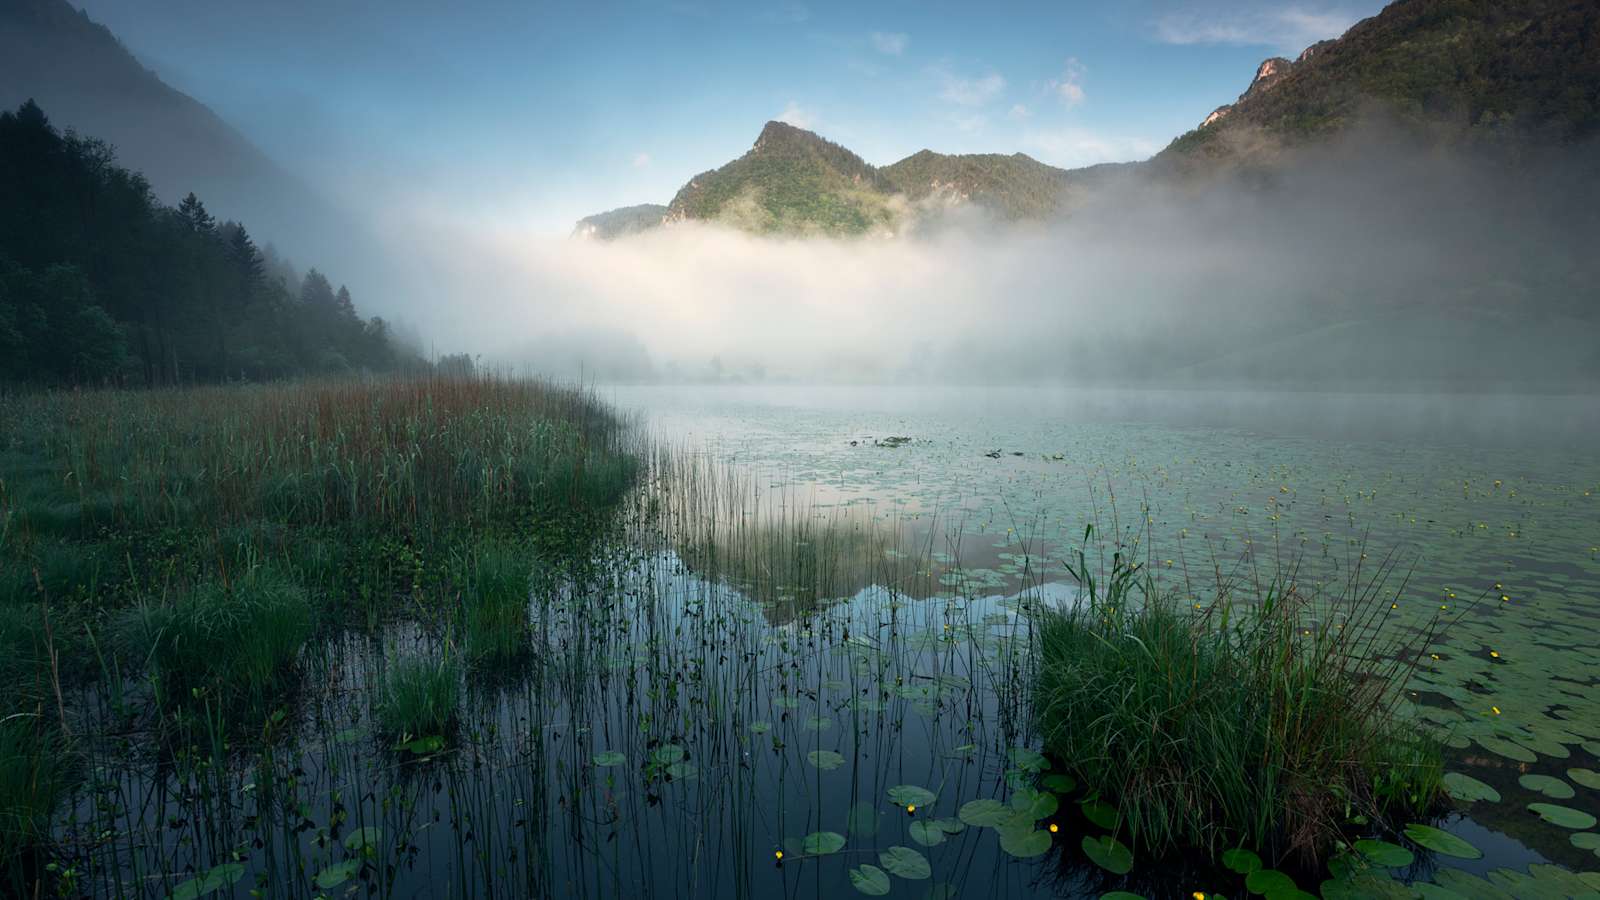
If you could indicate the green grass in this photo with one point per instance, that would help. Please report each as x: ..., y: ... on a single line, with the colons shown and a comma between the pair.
x: 494, y: 603
x: 236, y: 641
x: 1264, y: 719
x: 35, y: 772
x: 420, y: 696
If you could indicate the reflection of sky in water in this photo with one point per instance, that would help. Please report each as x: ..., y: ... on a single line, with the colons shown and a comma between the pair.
x: 1476, y: 498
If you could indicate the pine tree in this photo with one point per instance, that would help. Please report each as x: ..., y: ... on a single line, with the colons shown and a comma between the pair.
x: 345, y: 305
x: 246, y: 259
x: 316, y: 292
x: 194, y: 215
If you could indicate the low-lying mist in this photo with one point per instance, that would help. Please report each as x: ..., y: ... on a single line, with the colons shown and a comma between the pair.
x: 1374, y: 263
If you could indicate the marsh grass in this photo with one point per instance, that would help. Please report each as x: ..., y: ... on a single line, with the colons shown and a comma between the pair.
x: 1268, y: 718
x: 420, y: 696
x: 496, y: 587
x: 35, y: 772
x: 237, y: 641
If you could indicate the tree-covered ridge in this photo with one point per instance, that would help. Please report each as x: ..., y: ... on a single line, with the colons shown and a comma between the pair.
x: 791, y: 181
x: 1469, y: 71
x: 1014, y: 187
x: 615, y: 223
x: 99, y: 282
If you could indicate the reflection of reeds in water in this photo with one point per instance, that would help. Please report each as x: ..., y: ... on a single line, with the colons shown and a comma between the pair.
x: 775, y: 544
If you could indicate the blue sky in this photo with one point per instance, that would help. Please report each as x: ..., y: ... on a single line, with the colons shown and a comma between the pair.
x: 530, y: 115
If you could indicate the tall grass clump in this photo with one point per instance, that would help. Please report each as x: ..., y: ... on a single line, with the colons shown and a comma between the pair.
x: 237, y: 641
x: 1265, y: 719
x: 35, y: 772
x: 495, y: 593
x: 420, y: 696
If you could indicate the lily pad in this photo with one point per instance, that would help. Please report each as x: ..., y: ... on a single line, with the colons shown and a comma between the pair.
x: 609, y: 758
x: 1359, y: 886
x: 821, y: 843
x: 1241, y: 860
x: 666, y: 754
x: 911, y: 795
x: 826, y: 760
x: 1384, y: 854
x: 1024, y: 843
x: 985, y: 813
x: 905, y: 862
x: 870, y: 880
x: 363, y: 838
x: 1563, y: 816
x: 1508, y: 749
x: 927, y: 832
x: 1100, y: 813
x: 1554, y: 788
x: 1440, y: 841
x: 1588, y: 778
x: 1034, y: 803
x: 1029, y: 760
x: 337, y: 874
x: 1109, y: 853
x: 1468, y: 789
x: 1269, y: 882
x: 209, y: 882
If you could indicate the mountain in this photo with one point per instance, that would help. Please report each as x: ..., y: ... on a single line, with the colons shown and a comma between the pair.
x: 615, y: 223
x: 1486, y: 73
x: 790, y: 181
x: 89, y: 82
x: 1458, y: 72
x: 793, y: 181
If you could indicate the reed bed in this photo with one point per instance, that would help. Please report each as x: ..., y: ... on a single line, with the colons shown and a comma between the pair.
x: 1267, y: 717
x: 182, y: 548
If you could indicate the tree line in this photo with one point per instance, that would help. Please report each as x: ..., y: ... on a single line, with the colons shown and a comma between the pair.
x: 102, y: 283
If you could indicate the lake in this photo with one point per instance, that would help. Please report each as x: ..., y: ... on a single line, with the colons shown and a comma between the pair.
x: 808, y: 652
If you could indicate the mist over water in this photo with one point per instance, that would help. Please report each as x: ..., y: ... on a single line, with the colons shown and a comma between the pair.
x: 1386, y: 268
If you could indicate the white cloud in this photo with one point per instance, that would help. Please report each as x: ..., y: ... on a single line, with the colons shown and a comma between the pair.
x: 797, y: 116
x: 1069, y: 87
x: 1020, y: 112
x: 971, y: 91
x: 1287, y: 29
x: 641, y: 160
x: 970, y: 124
x: 891, y: 43
x: 784, y: 14
x: 1073, y: 147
